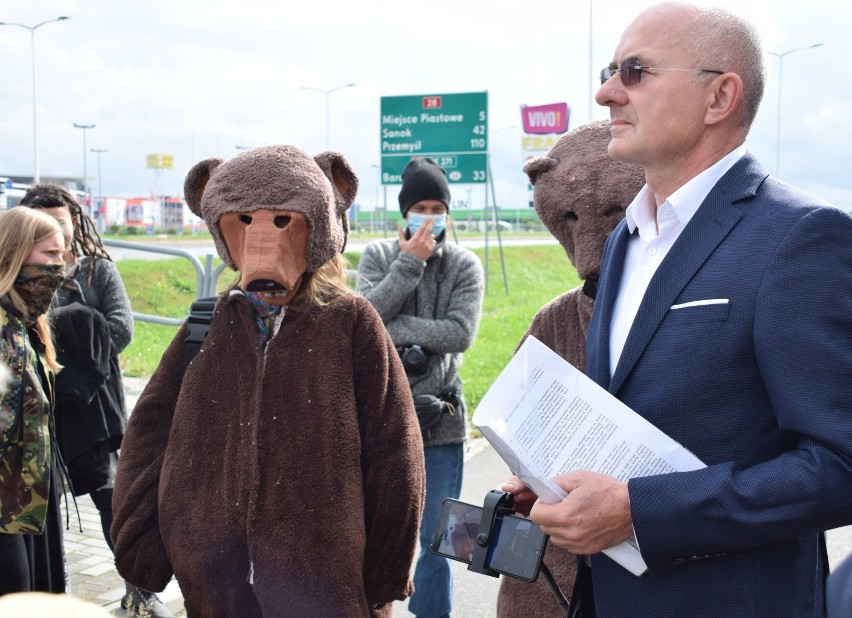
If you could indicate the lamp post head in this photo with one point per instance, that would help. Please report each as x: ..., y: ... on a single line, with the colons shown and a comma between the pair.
x: 330, y: 90
x: 781, y: 55
x: 33, y: 28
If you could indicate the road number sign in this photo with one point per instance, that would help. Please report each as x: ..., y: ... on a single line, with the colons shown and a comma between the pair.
x: 450, y: 128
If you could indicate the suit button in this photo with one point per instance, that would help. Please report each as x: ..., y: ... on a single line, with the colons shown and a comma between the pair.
x: 678, y: 561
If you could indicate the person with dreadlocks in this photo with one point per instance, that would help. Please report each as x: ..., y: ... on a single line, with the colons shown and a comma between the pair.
x: 92, y: 325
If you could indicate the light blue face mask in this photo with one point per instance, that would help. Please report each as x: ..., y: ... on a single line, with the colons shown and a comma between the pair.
x: 415, y: 220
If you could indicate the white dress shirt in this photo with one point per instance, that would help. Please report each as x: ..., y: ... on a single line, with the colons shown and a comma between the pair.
x: 646, y: 251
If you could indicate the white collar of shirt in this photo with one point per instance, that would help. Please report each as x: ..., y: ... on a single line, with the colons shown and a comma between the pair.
x: 646, y: 251
x: 685, y: 201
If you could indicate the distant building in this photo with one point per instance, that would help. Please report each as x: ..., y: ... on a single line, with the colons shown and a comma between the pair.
x: 152, y: 214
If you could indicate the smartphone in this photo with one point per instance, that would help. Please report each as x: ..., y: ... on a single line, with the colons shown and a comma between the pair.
x: 516, y: 548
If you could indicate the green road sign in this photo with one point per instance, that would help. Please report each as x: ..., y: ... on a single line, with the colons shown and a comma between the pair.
x: 450, y: 128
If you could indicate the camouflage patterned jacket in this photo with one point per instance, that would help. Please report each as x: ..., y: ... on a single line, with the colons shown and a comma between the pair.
x: 25, y: 447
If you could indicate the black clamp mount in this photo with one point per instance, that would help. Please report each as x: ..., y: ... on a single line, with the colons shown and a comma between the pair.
x: 496, y: 503
x: 500, y: 503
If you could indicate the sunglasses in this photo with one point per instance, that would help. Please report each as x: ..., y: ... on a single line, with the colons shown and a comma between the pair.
x: 631, y: 72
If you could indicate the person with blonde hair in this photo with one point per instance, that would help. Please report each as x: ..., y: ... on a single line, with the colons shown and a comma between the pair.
x: 32, y: 267
x: 93, y: 324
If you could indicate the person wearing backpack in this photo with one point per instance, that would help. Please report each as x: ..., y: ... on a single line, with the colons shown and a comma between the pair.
x: 280, y: 473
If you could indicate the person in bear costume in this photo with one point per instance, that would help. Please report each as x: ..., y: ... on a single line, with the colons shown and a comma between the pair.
x: 580, y: 194
x: 282, y: 473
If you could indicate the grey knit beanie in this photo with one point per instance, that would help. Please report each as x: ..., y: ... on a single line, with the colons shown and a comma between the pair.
x: 423, y: 179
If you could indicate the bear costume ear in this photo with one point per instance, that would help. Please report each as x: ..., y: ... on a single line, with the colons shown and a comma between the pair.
x: 342, y: 178
x: 196, y: 182
x: 537, y: 166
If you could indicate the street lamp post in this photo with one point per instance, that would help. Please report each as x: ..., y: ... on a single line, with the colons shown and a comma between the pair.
x: 327, y: 94
x: 778, y: 113
x: 85, y: 160
x: 101, y: 212
x: 591, y: 64
x: 32, y: 29
x: 376, y: 195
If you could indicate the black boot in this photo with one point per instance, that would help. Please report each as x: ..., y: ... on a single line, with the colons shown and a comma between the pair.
x: 142, y: 604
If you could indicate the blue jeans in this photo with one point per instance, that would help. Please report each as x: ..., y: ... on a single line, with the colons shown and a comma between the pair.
x: 433, y: 583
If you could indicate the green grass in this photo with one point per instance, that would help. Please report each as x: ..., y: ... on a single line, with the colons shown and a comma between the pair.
x: 535, y: 275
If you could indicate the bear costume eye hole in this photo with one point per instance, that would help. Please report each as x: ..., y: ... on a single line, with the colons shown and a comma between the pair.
x: 615, y: 210
x: 571, y: 215
x: 245, y: 219
x: 282, y: 221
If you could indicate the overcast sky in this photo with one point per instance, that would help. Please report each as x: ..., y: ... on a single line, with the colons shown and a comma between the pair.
x: 198, y: 79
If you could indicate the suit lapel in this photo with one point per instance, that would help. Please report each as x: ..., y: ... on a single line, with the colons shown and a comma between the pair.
x: 712, y: 222
x: 611, y: 269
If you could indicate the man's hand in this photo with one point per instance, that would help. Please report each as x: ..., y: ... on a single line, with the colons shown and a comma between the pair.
x: 594, y: 516
x: 524, y: 496
x: 422, y: 243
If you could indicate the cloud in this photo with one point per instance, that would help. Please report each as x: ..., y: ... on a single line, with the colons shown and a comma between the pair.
x: 196, y: 79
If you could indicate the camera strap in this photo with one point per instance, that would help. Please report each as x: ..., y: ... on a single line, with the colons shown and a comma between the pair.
x: 440, y: 275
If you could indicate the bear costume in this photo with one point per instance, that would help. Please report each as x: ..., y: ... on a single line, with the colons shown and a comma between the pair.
x: 282, y: 473
x: 580, y: 194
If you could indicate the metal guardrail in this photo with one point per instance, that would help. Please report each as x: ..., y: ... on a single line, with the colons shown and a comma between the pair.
x: 205, y: 275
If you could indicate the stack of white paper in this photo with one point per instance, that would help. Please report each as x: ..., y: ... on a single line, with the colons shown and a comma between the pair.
x: 545, y: 417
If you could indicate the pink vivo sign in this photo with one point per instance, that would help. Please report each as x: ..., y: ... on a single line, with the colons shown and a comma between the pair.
x: 552, y: 118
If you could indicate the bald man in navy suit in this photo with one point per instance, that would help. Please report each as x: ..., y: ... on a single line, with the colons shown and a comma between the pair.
x: 724, y: 317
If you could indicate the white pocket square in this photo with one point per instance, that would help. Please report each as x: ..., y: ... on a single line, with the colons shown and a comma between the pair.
x: 698, y: 303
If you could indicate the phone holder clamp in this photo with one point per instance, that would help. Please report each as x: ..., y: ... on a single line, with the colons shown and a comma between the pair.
x: 496, y: 503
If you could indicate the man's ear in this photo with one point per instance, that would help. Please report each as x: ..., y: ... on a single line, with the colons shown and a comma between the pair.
x: 196, y: 182
x: 724, y: 98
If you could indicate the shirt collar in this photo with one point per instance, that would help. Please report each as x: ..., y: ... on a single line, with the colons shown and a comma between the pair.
x: 686, y: 200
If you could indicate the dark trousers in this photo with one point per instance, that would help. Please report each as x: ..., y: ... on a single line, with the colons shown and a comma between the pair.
x: 102, y: 499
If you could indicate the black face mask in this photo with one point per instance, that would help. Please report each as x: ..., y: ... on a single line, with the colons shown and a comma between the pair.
x: 36, y: 284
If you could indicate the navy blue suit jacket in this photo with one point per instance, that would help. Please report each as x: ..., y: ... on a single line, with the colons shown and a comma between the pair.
x: 758, y: 388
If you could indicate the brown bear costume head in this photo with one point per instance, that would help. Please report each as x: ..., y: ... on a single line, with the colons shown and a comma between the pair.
x: 581, y: 193
x: 275, y: 213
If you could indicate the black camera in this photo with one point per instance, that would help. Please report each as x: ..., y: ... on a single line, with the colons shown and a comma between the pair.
x: 414, y: 359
